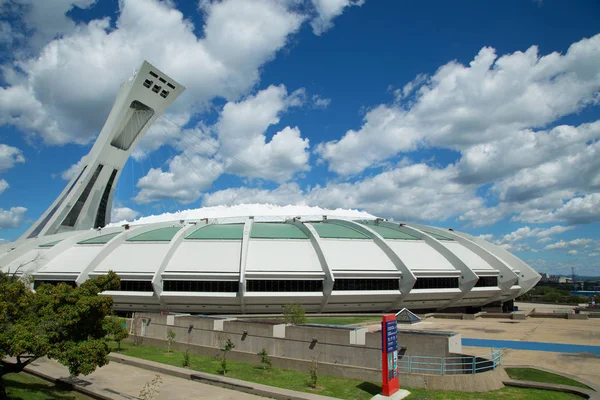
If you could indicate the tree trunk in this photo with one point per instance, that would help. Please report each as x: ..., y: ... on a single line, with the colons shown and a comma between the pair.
x: 3, y: 395
x: 8, y: 368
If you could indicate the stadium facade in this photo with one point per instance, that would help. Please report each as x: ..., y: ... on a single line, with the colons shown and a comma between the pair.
x: 249, y: 264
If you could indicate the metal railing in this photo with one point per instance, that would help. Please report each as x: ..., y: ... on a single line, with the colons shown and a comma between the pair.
x: 458, y: 365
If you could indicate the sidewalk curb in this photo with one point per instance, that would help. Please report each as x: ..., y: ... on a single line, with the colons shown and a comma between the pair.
x: 216, y: 380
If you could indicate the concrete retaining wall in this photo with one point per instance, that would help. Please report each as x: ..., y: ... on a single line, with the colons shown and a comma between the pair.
x: 335, y: 345
x: 481, y: 382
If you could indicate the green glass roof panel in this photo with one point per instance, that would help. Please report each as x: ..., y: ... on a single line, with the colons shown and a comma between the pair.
x: 334, y: 231
x: 103, y: 239
x: 156, y: 235
x: 436, y: 235
x: 391, y: 233
x: 264, y: 230
x: 50, y: 244
x: 218, y: 232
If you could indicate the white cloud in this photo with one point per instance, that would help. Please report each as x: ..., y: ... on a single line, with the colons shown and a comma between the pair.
x: 594, y: 254
x: 3, y: 185
x: 184, y: 181
x: 239, y: 36
x: 406, y: 192
x: 243, y: 144
x: 72, y: 171
x: 564, y: 244
x: 578, y: 210
x: 45, y: 19
x: 9, y: 156
x: 327, y: 10
x: 573, y: 252
x: 120, y: 214
x: 463, y: 106
x: 320, y: 102
x: 526, y: 232
x: 12, y: 218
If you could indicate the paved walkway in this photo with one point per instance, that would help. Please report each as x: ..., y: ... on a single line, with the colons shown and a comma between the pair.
x: 124, y: 382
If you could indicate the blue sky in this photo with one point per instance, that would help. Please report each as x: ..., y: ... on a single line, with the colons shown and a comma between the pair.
x: 481, y: 116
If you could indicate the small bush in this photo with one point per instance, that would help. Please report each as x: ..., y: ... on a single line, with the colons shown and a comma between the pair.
x: 186, y: 358
x: 170, y: 339
x: 228, y: 346
x: 313, y: 374
x: 265, y: 360
x: 294, y: 314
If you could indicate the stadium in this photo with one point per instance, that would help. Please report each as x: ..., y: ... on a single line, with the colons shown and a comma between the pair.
x: 249, y: 259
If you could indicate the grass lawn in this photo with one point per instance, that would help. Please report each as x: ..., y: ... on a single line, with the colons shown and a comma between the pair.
x: 328, y: 385
x: 535, y: 375
x: 27, y: 387
x: 341, y: 320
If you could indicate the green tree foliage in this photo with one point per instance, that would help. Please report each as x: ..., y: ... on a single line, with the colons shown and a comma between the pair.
x: 227, y: 346
x: 265, y: 360
x: 115, y: 330
x: 294, y: 314
x: 551, y: 294
x: 170, y: 339
x: 313, y: 374
x: 59, y: 322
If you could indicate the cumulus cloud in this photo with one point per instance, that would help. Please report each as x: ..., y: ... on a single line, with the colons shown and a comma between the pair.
x: 579, y: 210
x: 243, y: 145
x: 120, y: 214
x: 9, y: 156
x: 463, y: 106
x: 407, y: 192
x: 71, y: 172
x: 239, y: 36
x: 327, y: 10
x: 564, y: 244
x: 12, y: 218
x: 239, y: 146
x: 572, y: 252
x: 3, y: 185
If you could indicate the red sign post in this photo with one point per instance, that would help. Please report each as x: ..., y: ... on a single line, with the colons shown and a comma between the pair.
x: 389, y: 355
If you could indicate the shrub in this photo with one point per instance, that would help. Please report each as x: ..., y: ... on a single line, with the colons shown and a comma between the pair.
x: 265, y: 360
x: 313, y: 374
x: 294, y: 314
x: 170, y: 339
x: 228, y: 346
x: 186, y: 358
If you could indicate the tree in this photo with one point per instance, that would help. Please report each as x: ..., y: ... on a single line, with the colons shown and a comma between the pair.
x: 294, y: 314
x: 227, y: 346
x: 59, y: 322
x: 170, y: 339
x: 115, y: 330
x: 265, y: 360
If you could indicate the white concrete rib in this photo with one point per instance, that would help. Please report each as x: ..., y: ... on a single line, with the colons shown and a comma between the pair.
x: 407, y: 280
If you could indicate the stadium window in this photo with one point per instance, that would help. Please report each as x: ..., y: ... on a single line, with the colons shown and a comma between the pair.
x: 487, y: 281
x: 136, y: 286
x: 436, y: 283
x: 366, y: 284
x: 284, y: 286
x: 201, y: 286
x: 36, y: 283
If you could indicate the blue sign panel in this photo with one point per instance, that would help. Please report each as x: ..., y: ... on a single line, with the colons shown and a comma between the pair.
x: 391, y: 340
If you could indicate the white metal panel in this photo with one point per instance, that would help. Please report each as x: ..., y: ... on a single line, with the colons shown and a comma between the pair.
x: 134, y: 258
x: 26, y: 263
x: 356, y: 255
x: 203, y: 256
x: 73, y: 260
x: 282, y: 256
x: 419, y: 256
x: 472, y: 260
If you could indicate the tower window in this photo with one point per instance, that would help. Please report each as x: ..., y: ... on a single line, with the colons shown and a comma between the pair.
x: 148, y: 83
